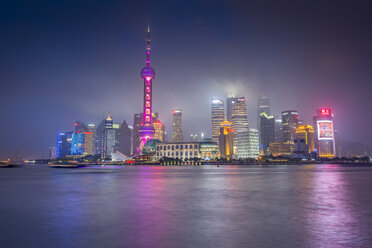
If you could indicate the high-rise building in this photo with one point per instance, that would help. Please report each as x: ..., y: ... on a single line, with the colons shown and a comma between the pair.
x: 146, y: 130
x: 267, y: 132
x: 177, y: 135
x: 278, y: 130
x: 304, y: 139
x: 123, y: 139
x: 77, y: 143
x: 248, y: 143
x: 218, y: 116
x: 239, y: 119
x: 89, y: 142
x: 108, y: 138
x: 80, y: 127
x: 289, y: 123
x: 263, y: 107
x: 64, y: 144
x: 324, y: 133
x: 99, y: 137
x: 226, y: 140
x: 229, y: 107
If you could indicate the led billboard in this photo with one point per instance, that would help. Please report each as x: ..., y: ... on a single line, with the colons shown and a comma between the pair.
x: 325, y: 130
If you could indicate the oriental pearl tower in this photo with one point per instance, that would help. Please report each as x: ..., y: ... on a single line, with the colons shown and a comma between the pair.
x: 146, y: 130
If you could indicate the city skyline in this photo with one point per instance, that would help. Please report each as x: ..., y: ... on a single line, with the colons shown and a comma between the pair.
x: 65, y: 85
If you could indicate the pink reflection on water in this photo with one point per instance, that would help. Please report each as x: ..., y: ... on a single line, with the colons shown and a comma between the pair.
x: 332, y: 220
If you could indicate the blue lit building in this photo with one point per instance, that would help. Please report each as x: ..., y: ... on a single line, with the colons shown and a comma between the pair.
x: 64, y: 144
x: 77, y: 144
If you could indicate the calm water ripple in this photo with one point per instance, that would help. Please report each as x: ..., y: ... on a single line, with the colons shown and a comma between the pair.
x: 231, y: 206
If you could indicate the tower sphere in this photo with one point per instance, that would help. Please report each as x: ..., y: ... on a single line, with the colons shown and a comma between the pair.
x: 147, y: 71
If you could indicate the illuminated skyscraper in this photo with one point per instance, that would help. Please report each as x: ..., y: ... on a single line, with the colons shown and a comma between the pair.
x: 324, y: 133
x: 218, y: 116
x: 263, y: 107
x: 248, y: 143
x: 159, y: 130
x: 239, y: 121
x: 146, y: 130
x: 267, y: 131
x: 278, y: 129
x: 229, y: 107
x: 108, y: 138
x: 226, y: 140
x: 177, y: 135
x: 136, y: 139
x: 304, y: 139
x: 64, y: 144
x: 89, y: 140
x: 289, y: 123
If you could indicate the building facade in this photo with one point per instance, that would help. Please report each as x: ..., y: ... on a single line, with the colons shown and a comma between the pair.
x: 226, y: 140
x: 64, y: 144
x: 208, y: 149
x: 324, y: 133
x: 289, y: 123
x: 267, y: 132
x: 218, y: 116
x: 248, y: 143
x: 177, y: 135
x: 304, y: 139
x: 178, y: 150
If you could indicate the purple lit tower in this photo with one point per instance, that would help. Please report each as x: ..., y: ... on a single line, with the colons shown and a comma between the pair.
x: 146, y: 130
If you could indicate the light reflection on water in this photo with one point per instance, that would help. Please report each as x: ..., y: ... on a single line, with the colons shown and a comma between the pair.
x: 194, y: 206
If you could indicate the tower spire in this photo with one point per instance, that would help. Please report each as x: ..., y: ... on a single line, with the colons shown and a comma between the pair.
x: 148, y: 49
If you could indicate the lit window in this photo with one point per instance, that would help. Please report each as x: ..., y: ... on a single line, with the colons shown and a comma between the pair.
x: 148, y: 104
x: 147, y: 118
x: 148, y: 89
x: 147, y: 111
x: 148, y: 97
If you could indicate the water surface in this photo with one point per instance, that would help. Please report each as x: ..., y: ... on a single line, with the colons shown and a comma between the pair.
x: 195, y: 206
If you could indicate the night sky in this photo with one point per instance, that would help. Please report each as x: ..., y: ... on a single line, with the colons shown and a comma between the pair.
x: 63, y: 61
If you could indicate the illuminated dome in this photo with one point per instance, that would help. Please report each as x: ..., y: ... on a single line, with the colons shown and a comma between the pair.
x: 147, y: 71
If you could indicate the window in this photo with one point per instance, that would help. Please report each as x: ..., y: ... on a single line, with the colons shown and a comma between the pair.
x: 148, y: 104
x: 147, y: 118
x: 148, y: 97
x: 176, y: 153
x: 186, y: 146
x: 181, y: 146
x: 195, y: 146
x: 168, y: 147
x: 177, y: 147
x: 147, y: 111
x: 148, y: 89
x: 172, y: 147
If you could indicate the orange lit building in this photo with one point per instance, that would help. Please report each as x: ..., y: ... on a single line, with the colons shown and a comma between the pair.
x: 159, y: 130
x: 226, y: 142
x: 304, y: 139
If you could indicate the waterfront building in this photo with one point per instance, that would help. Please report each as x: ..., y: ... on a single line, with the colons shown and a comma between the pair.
x: 267, y: 132
x: 279, y: 149
x: 177, y: 135
x: 146, y: 130
x: 99, y: 137
x: 226, y: 140
x: 108, y: 138
x: 88, y: 143
x: 218, y: 116
x: 208, y: 149
x: 324, y: 133
x: 229, y: 107
x: 136, y: 139
x: 80, y: 127
x: 178, y: 150
x: 248, y: 143
x: 194, y: 137
x: 289, y: 123
x: 304, y: 139
x: 64, y: 144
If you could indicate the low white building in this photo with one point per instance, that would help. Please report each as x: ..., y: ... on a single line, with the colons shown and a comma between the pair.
x: 180, y: 150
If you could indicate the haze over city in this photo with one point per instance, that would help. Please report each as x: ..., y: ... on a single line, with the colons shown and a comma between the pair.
x: 67, y: 61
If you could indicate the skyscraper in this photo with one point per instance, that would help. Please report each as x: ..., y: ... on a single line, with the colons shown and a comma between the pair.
x: 289, y: 123
x: 123, y: 139
x: 304, y: 139
x: 146, y: 130
x: 267, y: 131
x: 177, y: 135
x: 239, y: 119
x: 77, y: 143
x: 229, y: 106
x: 64, y: 144
x: 159, y: 130
x: 263, y: 107
x: 226, y: 140
x: 278, y: 129
x: 108, y: 138
x: 218, y: 116
x: 136, y: 139
x: 324, y: 133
